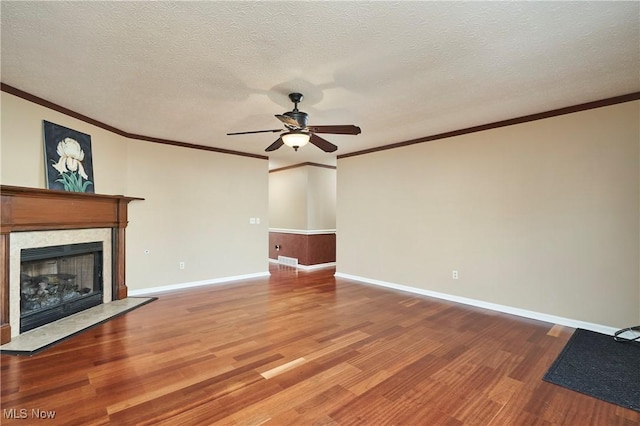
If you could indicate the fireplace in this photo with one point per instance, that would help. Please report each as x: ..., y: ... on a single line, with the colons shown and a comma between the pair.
x: 58, y: 281
x: 34, y: 218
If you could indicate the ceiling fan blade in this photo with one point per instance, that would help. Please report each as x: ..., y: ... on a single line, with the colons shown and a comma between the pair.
x: 337, y: 130
x: 289, y: 121
x: 255, y: 131
x: 323, y: 144
x: 277, y: 144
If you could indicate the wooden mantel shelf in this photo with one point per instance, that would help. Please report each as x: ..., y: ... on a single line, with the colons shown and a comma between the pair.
x: 29, y: 209
x: 34, y: 209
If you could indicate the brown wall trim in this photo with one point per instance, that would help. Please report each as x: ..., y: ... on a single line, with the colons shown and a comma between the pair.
x: 43, y: 102
x: 308, y: 249
x: 524, y: 119
x: 302, y: 165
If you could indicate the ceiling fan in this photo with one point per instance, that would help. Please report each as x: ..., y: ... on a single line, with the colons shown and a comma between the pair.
x: 297, y: 133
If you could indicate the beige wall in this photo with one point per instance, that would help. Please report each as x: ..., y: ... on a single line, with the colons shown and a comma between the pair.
x: 542, y: 216
x: 303, y: 198
x: 321, y: 192
x: 197, y: 203
x: 22, y: 147
x: 288, y: 198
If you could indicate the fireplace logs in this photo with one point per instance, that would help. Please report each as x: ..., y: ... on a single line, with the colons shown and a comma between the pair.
x: 49, y: 290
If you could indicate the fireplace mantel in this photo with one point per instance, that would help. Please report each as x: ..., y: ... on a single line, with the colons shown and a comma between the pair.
x: 33, y: 209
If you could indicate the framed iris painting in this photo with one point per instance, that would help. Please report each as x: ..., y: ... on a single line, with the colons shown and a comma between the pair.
x: 68, y: 159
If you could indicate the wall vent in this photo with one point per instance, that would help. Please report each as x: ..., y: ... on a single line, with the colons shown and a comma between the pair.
x: 289, y: 261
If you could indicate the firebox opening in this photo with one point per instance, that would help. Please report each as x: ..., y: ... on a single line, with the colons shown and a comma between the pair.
x: 59, y: 281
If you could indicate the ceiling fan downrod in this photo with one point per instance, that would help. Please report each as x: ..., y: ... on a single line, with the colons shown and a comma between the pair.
x: 296, y: 98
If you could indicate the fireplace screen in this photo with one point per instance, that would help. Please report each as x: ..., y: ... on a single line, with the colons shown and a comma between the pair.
x: 58, y: 281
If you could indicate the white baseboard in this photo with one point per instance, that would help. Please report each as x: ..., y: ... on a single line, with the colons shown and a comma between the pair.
x: 486, y: 305
x: 316, y: 266
x: 181, y: 286
x: 308, y: 267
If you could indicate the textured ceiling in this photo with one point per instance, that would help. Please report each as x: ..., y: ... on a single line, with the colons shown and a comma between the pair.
x: 193, y: 71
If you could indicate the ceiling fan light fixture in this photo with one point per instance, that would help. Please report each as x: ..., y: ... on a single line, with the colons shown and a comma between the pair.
x: 295, y: 139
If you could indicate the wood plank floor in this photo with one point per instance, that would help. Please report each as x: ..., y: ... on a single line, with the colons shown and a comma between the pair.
x: 302, y: 348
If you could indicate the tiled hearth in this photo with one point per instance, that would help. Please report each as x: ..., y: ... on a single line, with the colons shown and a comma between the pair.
x: 43, y: 337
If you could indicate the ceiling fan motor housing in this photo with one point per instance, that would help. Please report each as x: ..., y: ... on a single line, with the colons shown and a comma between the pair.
x: 299, y: 116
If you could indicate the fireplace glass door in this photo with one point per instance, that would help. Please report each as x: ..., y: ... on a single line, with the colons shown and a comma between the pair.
x: 58, y: 281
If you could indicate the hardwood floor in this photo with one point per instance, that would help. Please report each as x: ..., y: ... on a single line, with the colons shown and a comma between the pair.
x: 302, y: 348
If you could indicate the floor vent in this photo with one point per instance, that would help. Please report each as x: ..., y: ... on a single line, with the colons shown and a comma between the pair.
x: 289, y: 261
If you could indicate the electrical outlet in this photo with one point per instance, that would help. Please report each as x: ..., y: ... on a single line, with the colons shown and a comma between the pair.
x: 252, y: 221
x: 257, y: 221
x: 181, y: 265
x: 454, y: 275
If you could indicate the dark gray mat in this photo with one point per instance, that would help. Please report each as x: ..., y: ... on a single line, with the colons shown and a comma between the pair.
x: 596, y: 365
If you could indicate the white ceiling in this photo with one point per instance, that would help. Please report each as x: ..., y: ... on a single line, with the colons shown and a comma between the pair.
x: 194, y: 71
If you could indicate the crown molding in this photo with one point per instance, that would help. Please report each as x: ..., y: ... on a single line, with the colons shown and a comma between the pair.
x: 519, y: 120
x: 325, y: 166
x: 55, y: 107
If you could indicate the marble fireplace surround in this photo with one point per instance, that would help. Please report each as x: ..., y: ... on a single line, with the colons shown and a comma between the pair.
x: 33, y: 217
x: 36, y: 239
